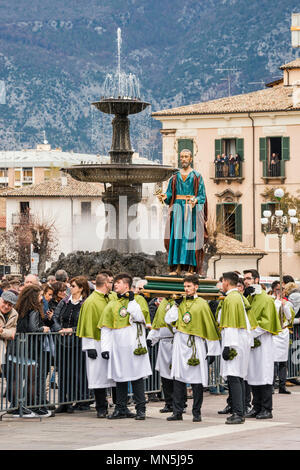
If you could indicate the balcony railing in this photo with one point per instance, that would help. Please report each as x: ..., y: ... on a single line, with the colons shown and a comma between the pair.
x: 20, y: 219
x: 226, y: 172
x: 274, y: 172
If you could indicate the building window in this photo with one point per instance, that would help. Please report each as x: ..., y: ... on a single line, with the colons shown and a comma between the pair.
x: 274, y: 152
x: 185, y: 144
x: 3, y: 177
x: 18, y: 178
x: 27, y: 175
x: 229, y: 155
x: 86, y: 212
x: 47, y: 174
x: 229, y: 219
x: 24, y: 207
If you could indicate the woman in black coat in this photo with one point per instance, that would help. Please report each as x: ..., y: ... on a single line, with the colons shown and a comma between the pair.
x: 32, y: 320
x: 71, y: 360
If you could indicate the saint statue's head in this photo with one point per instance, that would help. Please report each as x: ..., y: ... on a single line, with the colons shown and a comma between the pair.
x: 186, y: 158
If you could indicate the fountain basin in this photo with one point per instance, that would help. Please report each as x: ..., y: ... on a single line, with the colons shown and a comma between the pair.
x: 121, y: 173
x: 121, y: 106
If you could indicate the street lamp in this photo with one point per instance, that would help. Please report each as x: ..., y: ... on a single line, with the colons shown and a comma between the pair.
x: 280, y: 224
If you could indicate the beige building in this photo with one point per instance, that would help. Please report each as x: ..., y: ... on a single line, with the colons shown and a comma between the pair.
x: 24, y: 167
x: 256, y: 126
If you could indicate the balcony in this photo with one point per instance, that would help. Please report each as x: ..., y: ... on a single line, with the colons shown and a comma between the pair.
x: 222, y: 172
x: 20, y: 219
x: 274, y: 173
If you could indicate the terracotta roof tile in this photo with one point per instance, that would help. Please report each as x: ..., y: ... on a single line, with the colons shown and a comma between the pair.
x: 56, y: 188
x: 231, y: 246
x: 295, y: 64
x: 276, y: 98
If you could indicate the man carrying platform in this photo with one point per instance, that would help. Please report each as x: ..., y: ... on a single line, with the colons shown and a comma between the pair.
x: 90, y: 314
x: 163, y: 333
x: 236, y: 323
x: 124, y: 346
x: 261, y: 362
x: 196, y: 343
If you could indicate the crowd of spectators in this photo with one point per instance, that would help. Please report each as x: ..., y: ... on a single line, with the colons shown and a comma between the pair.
x: 53, y: 305
x: 227, y: 166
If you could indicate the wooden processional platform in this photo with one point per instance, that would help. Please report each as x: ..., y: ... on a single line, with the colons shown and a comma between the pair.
x: 164, y: 286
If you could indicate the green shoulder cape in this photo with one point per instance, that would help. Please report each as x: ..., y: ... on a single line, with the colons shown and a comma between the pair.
x: 159, y: 319
x: 264, y: 310
x: 195, y: 318
x: 233, y: 315
x: 115, y: 315
x: 90, y: 314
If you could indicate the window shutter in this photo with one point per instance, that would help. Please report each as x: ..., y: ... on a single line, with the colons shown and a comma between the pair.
x: 262, y: 149
x: 238, y: 222
x: 263, y: 154
x: 240, y: 148
x: 185, y: 144
x: 285, y: 149
x: 282, y: 168
x: 218, y: 147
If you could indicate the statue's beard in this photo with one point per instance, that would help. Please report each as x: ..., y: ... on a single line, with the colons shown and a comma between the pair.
x: 185, y: 165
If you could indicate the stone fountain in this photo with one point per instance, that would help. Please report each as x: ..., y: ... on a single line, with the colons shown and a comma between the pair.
x: 121, y: 98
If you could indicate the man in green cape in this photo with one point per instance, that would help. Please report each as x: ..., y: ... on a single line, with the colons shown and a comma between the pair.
x: 124, y: 346
x: 196, y: 343
x: 261, y: 362
x: 90, y: 314
x: 163, y: 333
x: 236, y: 323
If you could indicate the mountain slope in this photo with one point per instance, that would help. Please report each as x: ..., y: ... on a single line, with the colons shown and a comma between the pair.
x: 54, y: 57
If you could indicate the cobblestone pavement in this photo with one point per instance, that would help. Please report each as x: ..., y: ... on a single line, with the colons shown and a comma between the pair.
x: 82, y: 430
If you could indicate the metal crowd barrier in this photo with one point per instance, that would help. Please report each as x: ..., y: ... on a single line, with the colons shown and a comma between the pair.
x: 294, y: 354
x: 49, y: 369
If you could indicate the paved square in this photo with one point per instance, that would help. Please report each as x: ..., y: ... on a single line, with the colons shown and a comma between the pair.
x: 82, y: 430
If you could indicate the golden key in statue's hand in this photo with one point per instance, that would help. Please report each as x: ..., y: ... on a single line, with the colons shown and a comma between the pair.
x: 158, y: 192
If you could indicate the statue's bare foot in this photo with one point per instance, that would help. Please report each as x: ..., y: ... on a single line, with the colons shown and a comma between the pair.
x: 173, y: 273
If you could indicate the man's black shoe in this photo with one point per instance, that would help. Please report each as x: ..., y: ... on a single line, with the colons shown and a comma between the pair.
x: 295, y: 381
x: 140, y: 416
x: 117, y: 415
x: 175, y: 418
x: 129, y: 414
x: 101, y: 414
x: 264, y: 415
x: 63, y: 409
x: 166, y: 409
x: 227, y: 410
x: 197, y: 419
x: 252, y: 413
x: 235, y: 419
x: 285, y: 391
